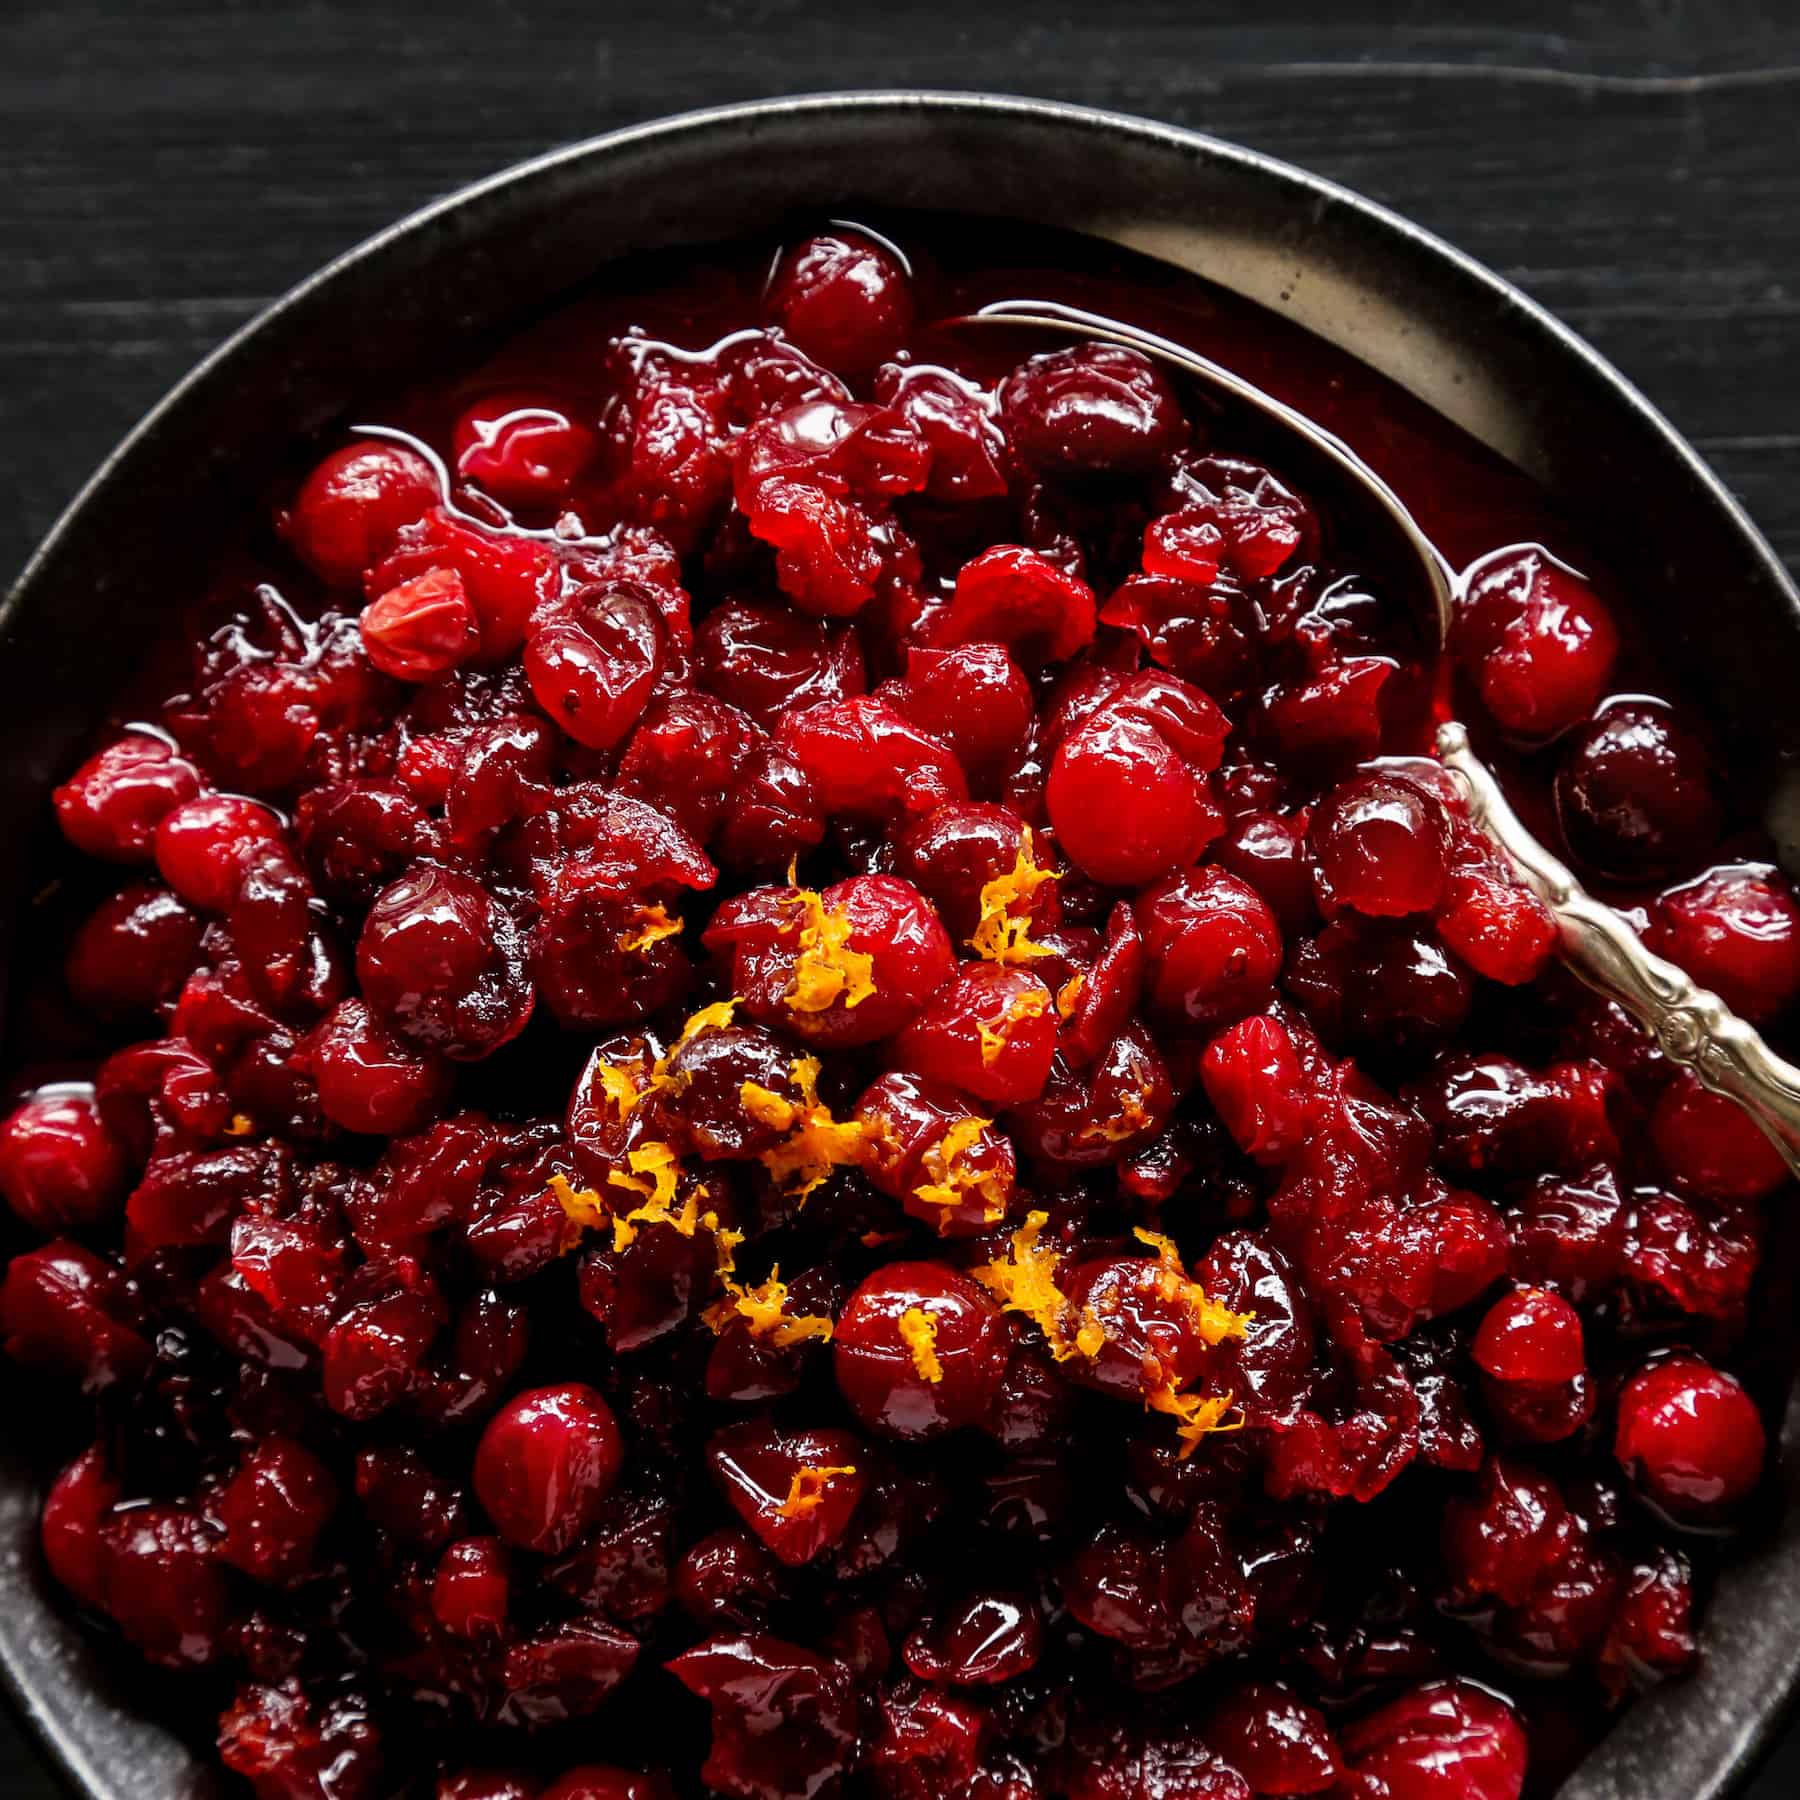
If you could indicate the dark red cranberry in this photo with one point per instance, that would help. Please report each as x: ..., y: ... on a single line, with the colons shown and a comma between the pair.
x: 844, y: 299
x: 1635, y: 793
x: 919, y: 1349
x: 988, y: 1638
x: 64, y: 1310
x: 372, y: 1080
x: 1098, y: 409
x: 727, y: 1575
x: 61, y: 1166
x: 767, y: 660
x: 1213, y: 946
x: 1708, y: 1145
x: 990, y: 1030
x: 545, y: 1465
x: 291, y: 1746
x: 1382, y: 846
x: 1448, y: 1738
x: 111, y: 805
x: 353, y: 506
x: 974, y: 697
x: 1530, y: 1335
x: 593, y: 663
x: 601, y: 1781
x: 273, y: 1510
x: 1275, y: 1740
x: 1691, y: 1438
x: 163, y: 1584
x: 795, y: 1490
x: 471, y: 1591
x: 72, y: 1528
x: 133, y: 952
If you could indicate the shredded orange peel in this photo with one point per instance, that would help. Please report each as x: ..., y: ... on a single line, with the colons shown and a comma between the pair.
x: 816, y: 1143
x: 1024, y: 1281
x: 654, y: 924
x: 918, y: 1332
x: 807, y: 1490
x: 1132, y: 1117
x: 765, y: 1307
x: 951, y: 1179
x: 996, y: 1034
x: 626, y: 1085
x: 826, y: 970
x: 1003, y: 935
x: 1068, y: 996
x: 1213, y: 1321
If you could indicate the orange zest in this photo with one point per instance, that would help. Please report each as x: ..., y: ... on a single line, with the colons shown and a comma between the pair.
x: 1131, y: 1118
x: 1002, y: 934
x: 918, y: 1332
x: 1069, y: 994
x: 765, y: 1307
x: 997, y: 1034
x: 654, y: 924
x: 1024, y: 1281
x: 816, y: 1143
x: 241, y: 1125
x: 1212, y: 1321
x: 655, y: 1173
x: 1199, y: 1415
x: 807, y: 1489
x: 826, y: 970
x: 951, y: 1179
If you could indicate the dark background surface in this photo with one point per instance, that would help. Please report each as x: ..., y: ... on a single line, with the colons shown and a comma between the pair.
x: 166, y: 169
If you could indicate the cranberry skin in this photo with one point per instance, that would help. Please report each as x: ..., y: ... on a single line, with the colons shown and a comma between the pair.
x: 1635, y: 793
x: 1099, y: 409
x: 1736, y: 930
x: 593, y: 664
x: 353, y: 506
x: 1150, y: 1336
x: 727, y: 1575
x: 1446, y: 1740
x: 877, y: 1367
x: 201, y: 846
x: 1253, y: 1078
x: 987, y: 1639
x: 545, y: 1465
x: 472, y: 1588
x: 956, y: 419
x: 1213, y: 946
x: 989, y: 1031
x: 420, y: 629
x: 784, y: 1720
x: 76, y: 1509
x: 1015, y: 597
x: 133, y: 952
x: 1277, y: 1742
x: 1126, y: 806
x: 111, y: 805
x: 442, y: 963
x: 1538, y: 640
x: 525, y: 449
x: 1710, y: 1146
x: 487, y: 1784
x: 1530, y: 1335
x: 370, y: 1079
x: 1381, y: 846
x: 272, y: 1511
x: 63, y: 1309
x: 869, y: 762
x: 844, y: 300
x: 1270, y: 853
x: 61, y: 1167
x: 767, y: 660
x: 1690, y: 1438
x: 164, y: 1587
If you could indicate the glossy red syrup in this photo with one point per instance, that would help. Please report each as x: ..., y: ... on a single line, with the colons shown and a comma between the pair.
x: 804, y: 1092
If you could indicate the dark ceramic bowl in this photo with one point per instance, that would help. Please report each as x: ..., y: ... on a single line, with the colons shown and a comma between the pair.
x: 426, y: 294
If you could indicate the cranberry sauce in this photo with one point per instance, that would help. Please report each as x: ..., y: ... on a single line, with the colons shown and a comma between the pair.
x: 805, y: 1089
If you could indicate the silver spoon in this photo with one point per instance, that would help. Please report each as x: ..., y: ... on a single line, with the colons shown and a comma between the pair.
x: 1691, y: 1024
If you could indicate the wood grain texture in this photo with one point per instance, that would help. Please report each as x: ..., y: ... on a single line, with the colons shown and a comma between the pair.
x: 168, y: 166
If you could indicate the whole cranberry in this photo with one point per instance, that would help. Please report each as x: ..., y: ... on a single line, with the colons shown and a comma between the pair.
x: 63, y: 1309
x: 1709, y: 1145
x: 372, y: 1080
x: 974, y: 697
x: 1691, y: 1438
x: 845, y: 300
x: 421, y: 628
x: 133, y: 952
x: 767, y: 660
x: 443, y: 963
x: 1213, y: 945
x: 201, y: 846
x: 61, y: 1167
x: 727, y: 1575
x: 1530, y: 1335
x: 163, y: 1584
x: 1736, y: 930
x: 545, y: 1465
x: 987, y: 1638
x: 797, y: 1490
x: 1539, y: 641
x: 111, y: 805
x: 273, y: 1509
x: 1446, y: 1740
x: 471, y: 1590
x: 989, y: 1030
x: 1099, y: 409
x: 1635, y: 793
x: 1382, y: 846
x: 1279, y: 1743
x: 919, y: 1349
x: 525, y: 449
x: 353, y: 506
x: 593, y: 662
x: 72, y: 1529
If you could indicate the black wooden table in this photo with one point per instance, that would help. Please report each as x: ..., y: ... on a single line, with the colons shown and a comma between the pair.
x: 166, y: 168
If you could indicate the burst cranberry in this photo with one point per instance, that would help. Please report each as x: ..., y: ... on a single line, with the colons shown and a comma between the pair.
x: 1213, y: 947
x: 290, y: 1746
x: 795, y: 1490
x: 113, y: 803
x: 1690, y: 1437
x: 844, y: 300
x: 593, y: 663
x: 1015, y: 597
x: 524, y: 449
x: 768, y: 660
x: 61, y: 1167
x: 1096, y: 410
x: 545, y: 1465
x: 72, y: 1529
x: 163, y: 1585
x: 600, y: 1781
x: 1538, y: 640
x: 133, y: 952
x: 1635, y: 793
x: 1447, y: 1740
x: 444, y: 964
x: 919, y: 1350
x: 1736, y: 930
x: 1252, y: 1076
x: 353, y: 506
x: 422, y: 628
x: 273, y: 1509
x: 989, y: 1638
x: 1279, y: 1743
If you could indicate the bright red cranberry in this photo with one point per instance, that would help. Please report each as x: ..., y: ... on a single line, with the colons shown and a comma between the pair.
x: 1691, y: 1438
x: 443, y: 963
x: 1016, y: 597
x: 420, y: 629
x: 202, y: 846
x: 956, y: 419
x: 471, y: 1591
x: 523, y: 448
x: 506, y: 580
x: 990, y: 1030
x: 1253, y: 1078
x: 974, y: 697
x: 593, y: 663
x: 1736, y: 930
x: 61, y: 1167
x: 545, y: 1465
x: 1635, y: 793
x: 767, y: 660
x: 1538, y: 640
x: 796, y: 1490
x: 1098, y: 409
x: 1382, y: 846
x: 1447, y: 1740
x: 1710, y: 1145
x: 844, y: 300
x: 869, y: 762
x: 919, y: 1349
x: 1213, y: 946
x: 111, y: 805
x: 1530, y: 1335
x: 372, y: 1080
x: 353, y: 506
x: 1275, y: 1740
x: 273, y: 1510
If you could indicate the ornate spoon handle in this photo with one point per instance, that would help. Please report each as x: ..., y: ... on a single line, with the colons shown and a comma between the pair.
x: 1691, y: 1024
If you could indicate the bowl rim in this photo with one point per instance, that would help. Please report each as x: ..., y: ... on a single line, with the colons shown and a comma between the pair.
x: 1735, y: 1742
